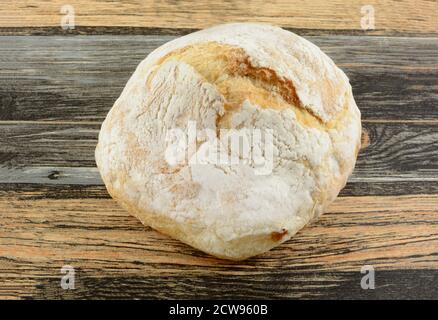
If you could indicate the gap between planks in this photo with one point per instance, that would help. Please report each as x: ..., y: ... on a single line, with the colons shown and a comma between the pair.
x: 49, y: 122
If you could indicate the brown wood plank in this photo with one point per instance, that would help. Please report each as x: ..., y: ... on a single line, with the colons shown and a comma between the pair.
x: 390, y: 232
x: 102, y: 241
x: 408, y: 16
x: 79, y: 78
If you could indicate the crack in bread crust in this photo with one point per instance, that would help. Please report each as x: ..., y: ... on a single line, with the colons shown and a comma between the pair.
x: 229, y: 68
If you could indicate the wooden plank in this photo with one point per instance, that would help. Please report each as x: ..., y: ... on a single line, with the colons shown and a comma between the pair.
x: 389, y: 232
x: 107, y: 247
x: 62, y: 191
x: 47, y: 145
x: 391, y: 16
x: 392, y: 284
x: 62, y: 153
x: 398, y: 152
x: 35, y: 191
x: 79, y: 78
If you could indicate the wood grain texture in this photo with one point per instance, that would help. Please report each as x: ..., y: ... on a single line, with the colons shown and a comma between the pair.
x: 39, y: 236
x: 392, y: 284
x: 54, y: 209
x: 62, y: 191
x: 62, y: 153
x: 79, y: 78
x: 408, y: 16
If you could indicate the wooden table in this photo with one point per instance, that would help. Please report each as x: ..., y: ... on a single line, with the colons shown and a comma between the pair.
x: 56, y: 87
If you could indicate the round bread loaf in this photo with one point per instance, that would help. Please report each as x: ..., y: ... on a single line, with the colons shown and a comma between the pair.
x: 165, y: 154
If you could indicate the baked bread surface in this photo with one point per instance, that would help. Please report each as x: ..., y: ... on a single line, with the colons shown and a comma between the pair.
x: 231, y: 76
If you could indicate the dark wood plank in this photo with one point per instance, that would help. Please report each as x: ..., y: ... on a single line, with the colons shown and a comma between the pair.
x: 389, y: 188
x: 392, y: 284
x: 26, y: 144
x: 38, y: 191
x: 393, y: 156
x: 398, y: 151
x: 79, y: 78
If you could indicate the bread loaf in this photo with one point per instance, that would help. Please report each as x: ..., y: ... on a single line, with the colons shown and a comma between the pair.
x: 164, y: 150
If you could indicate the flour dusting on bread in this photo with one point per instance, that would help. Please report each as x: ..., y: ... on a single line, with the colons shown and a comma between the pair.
x: 235, y: 77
